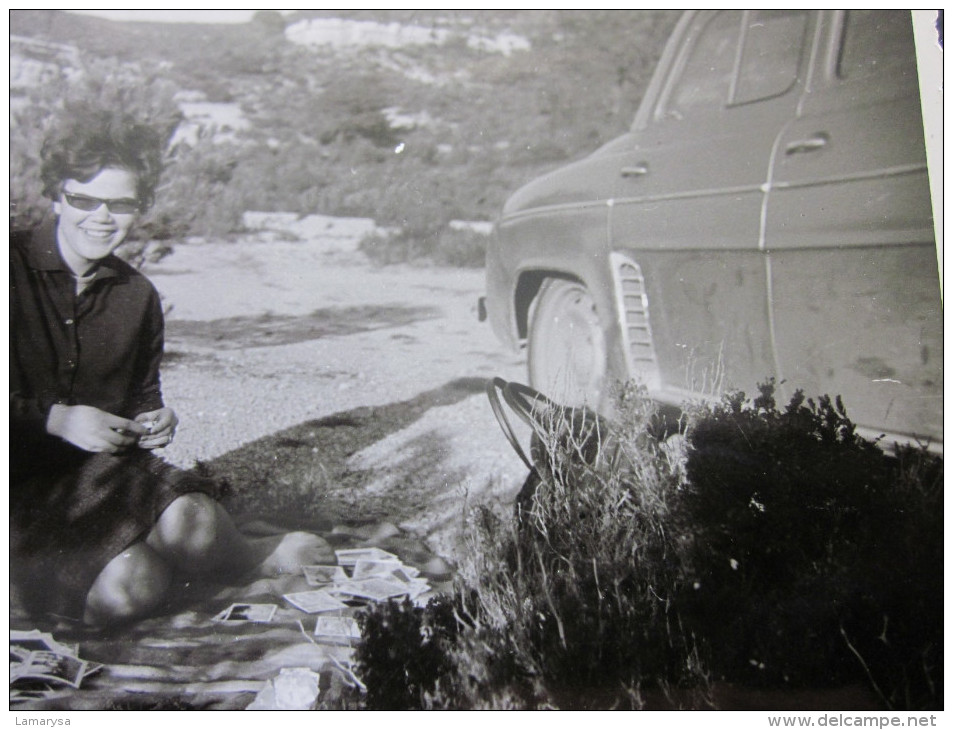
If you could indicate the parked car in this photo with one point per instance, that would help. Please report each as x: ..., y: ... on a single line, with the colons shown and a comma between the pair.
x: 768, y: 215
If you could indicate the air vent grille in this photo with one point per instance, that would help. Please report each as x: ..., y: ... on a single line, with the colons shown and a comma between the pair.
x: 634, y: 308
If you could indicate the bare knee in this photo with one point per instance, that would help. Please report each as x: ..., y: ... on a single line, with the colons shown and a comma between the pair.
x: 187, y: 529
x: 132, y: 585
x: 195, y: 534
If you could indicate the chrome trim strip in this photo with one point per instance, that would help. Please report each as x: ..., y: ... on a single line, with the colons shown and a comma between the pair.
x: 887, y: 172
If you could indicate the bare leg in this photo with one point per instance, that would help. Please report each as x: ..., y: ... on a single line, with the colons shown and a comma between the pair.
x: 132, y: 584
x: 286, y: 553
x: 196, y: 535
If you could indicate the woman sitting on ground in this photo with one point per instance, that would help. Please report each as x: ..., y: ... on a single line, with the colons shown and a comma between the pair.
x: 100, y: 525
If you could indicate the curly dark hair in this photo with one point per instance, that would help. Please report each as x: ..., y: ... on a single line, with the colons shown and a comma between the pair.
x: 84, y: 141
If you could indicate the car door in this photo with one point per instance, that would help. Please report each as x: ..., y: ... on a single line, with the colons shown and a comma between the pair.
x: 849, y: 230
x: 690, y: 193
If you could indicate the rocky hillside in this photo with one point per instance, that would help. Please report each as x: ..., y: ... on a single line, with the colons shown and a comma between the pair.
x: 412, y: 118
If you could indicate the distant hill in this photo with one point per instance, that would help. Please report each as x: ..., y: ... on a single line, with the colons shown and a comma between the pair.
x: 439, y: 116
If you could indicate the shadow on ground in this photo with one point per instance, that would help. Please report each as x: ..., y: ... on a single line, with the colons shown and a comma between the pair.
x: 268, y: 330
x: 300, y: 477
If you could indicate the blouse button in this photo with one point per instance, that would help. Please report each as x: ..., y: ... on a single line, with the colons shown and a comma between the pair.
x: 69, y: 321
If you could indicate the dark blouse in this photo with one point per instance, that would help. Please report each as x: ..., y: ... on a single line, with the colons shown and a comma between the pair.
x: 101, y: 348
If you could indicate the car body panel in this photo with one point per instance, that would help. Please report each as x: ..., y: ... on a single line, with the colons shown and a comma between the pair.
x: 849, y: 234
x: 711, y: 159
x: 711, y: 315
x: 559, y: 231
x: 780, y: 221
x: 564, y: 242
x: 709, y: 318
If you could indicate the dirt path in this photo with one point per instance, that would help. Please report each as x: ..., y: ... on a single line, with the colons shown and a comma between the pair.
x: 265, y: 336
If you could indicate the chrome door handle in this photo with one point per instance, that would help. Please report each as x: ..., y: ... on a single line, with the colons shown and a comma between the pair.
x: 811, y: 144
x: 638, y: 170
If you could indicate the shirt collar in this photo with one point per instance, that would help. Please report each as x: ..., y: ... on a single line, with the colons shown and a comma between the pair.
x: 44, y: 254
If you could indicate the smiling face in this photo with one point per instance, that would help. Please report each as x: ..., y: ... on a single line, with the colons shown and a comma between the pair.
x: 85, y: 237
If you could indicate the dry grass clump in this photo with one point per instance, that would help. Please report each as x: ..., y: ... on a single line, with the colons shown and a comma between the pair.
x: 757, y: 547
x: 569, y: 604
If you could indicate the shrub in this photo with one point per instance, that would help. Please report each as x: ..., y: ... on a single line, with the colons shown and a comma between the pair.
x: 466, y: 249
x: 393, y: 247
x: 199, y: 198
x: 403, y: 652
x: 816, y: 555
x: 443, y: 247
x: 773, y: 549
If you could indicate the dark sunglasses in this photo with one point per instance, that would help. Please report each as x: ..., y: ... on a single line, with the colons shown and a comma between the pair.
x: 122, y: 206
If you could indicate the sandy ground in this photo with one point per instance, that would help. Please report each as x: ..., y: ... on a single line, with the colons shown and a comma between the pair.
x: 264, y: 335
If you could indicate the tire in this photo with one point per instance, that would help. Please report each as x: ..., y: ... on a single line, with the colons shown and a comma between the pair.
x: 567, y: 351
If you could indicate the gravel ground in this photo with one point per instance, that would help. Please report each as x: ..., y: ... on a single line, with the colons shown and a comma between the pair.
x: 262, y: 336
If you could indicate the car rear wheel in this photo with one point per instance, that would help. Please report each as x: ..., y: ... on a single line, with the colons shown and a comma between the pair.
x: 567, y: 351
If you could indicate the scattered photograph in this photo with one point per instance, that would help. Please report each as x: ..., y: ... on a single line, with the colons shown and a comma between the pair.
x: 315, y: 601
x: 337, y: 630
x: 261, y: 613
x: 350, y: 556
x: 368, y: 568
x: 376, y: 589
x: 324, y: 574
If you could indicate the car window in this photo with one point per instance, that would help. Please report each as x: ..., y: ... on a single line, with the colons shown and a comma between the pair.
x: 772, y: 45
x: 876, y: 41
x: 705, y: 79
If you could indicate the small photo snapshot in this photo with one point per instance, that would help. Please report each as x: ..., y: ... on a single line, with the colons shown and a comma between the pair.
x: 314, y: 601
x: 337, y: 630
x: 50, y: 666
x: 319, y: 575
x: 350, y: 556
x: 375, y: 589
x: 389, y: 568
x: 259, y: 613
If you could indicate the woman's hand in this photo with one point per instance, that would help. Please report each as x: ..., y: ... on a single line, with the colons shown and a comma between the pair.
x: 161, y: 428
x: 92, y: 429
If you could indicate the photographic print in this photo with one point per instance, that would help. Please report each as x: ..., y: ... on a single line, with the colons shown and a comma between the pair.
x: 591, y: 358
x: 251, y: 612
x: 314, y: 601
x: 319, y: 575
x: 337, y: 629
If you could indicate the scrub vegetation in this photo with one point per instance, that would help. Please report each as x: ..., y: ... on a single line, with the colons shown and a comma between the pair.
x: 321, y: 135
x: 763, y: 548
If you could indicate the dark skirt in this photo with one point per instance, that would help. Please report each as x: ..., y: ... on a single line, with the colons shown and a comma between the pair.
x: 67, y: 523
